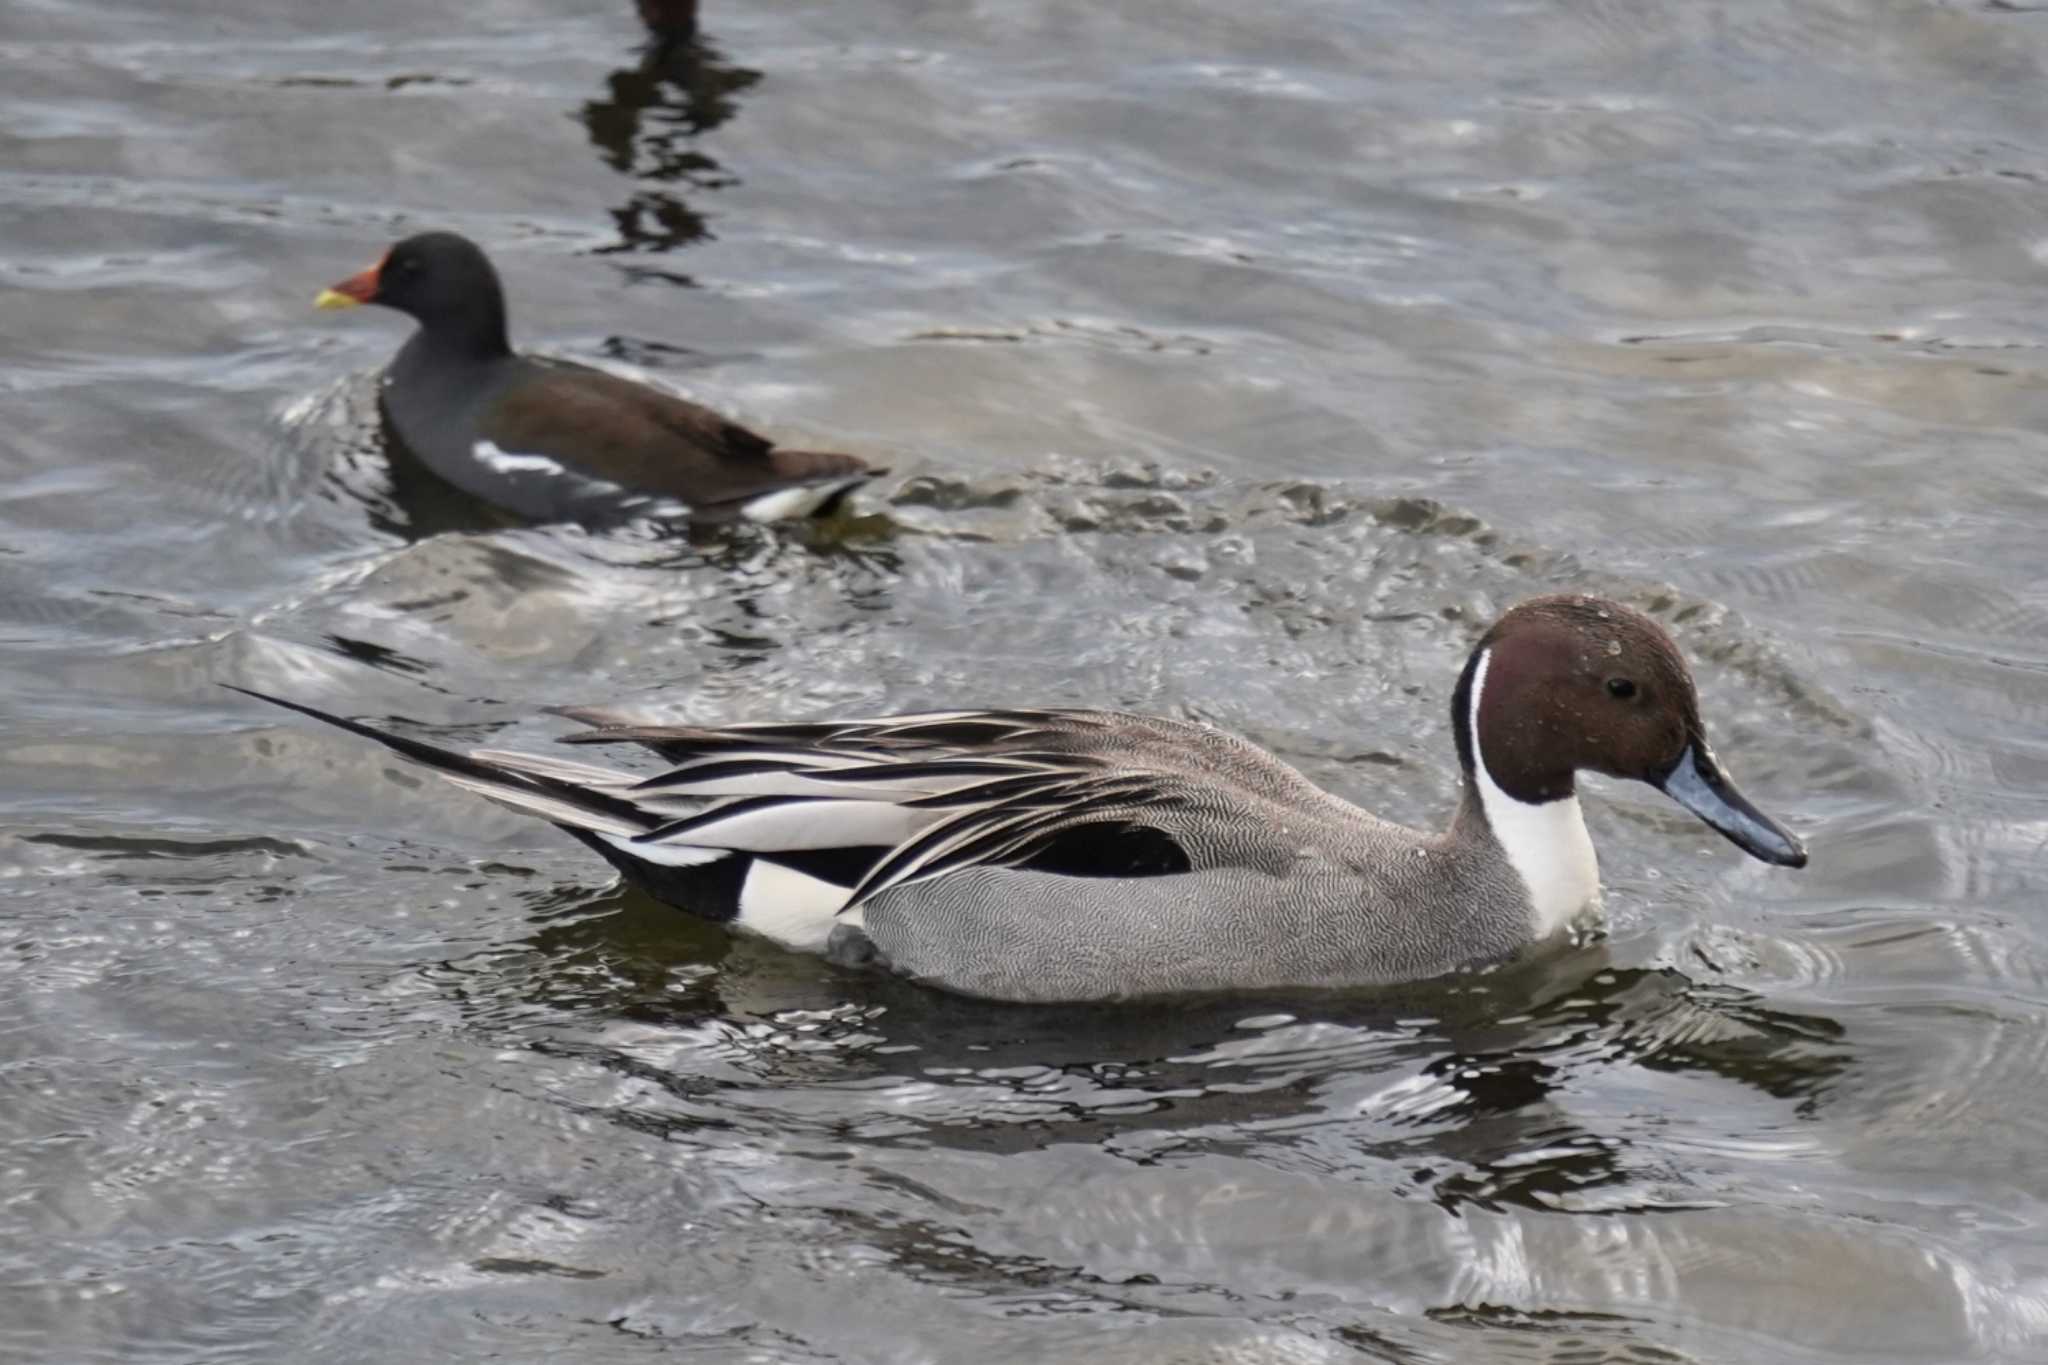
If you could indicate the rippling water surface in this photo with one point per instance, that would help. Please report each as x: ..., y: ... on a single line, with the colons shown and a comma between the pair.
x: 1233, y: 361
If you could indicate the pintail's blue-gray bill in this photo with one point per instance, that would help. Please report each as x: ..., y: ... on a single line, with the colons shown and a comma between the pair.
x: 1697, y: 783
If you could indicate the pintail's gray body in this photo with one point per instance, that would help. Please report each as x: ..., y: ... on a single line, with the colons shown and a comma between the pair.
x: 1286, y: 886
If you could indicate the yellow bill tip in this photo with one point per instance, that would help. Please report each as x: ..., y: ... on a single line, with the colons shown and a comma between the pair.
x: 334, y: 298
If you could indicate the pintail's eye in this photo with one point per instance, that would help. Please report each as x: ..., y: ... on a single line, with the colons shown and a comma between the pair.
x: 1621, y: 689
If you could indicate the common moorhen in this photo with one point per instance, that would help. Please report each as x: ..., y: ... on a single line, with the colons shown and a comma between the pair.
x: 550, y: 440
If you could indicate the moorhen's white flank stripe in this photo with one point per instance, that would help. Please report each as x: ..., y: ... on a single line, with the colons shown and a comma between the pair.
x: 511, y: 462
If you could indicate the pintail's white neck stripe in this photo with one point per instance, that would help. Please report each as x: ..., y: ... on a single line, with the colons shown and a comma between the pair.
x: 1546, y: 843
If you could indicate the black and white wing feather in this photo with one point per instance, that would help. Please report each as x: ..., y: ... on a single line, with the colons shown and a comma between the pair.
x: 788, y: 829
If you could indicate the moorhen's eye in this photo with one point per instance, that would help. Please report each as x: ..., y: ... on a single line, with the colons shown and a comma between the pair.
x: 1621, y: 689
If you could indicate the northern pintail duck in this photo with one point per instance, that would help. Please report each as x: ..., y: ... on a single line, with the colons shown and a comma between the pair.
x: 1079, y: 855
x: 549, y: 440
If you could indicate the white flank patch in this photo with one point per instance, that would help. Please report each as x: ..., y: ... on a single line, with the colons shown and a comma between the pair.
x: 511, y: 462
x: 789, y: 504
x: 789, y: 907
x: 668, y: 855
x: 653, y: 505
x: 1546, y: 844
x: 648, y: 505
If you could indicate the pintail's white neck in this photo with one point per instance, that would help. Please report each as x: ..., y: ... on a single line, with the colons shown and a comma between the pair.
x: 1546, y: 843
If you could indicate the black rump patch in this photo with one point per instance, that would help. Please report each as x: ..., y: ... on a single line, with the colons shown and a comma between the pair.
x: 708, y: 890
x: 839, y: 866
x: 1108, y: 849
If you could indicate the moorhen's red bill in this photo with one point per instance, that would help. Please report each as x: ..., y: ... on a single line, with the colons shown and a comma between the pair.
x: 551, y: 440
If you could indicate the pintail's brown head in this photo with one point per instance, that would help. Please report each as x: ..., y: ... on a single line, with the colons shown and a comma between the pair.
x: 1561, y: 684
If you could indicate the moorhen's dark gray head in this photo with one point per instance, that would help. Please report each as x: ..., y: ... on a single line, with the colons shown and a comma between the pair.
x: 440, y: 278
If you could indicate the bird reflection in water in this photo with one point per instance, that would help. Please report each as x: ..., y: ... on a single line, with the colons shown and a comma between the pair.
x: 647, y: 125
x: 1465, y: 1091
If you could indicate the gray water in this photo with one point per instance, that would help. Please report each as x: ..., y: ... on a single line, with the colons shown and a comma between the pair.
x: 1234, y: 361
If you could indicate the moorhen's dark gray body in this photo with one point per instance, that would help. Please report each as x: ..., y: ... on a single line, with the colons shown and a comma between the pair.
x: 550, y: 440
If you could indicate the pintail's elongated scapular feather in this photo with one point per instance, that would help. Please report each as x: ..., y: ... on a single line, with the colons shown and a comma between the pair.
x: 908, y: 797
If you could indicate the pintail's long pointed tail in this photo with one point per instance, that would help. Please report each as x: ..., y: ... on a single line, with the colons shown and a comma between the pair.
x: 572, y: 795
x: 633, y: 829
